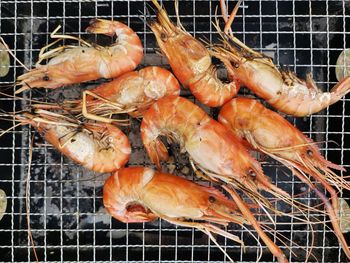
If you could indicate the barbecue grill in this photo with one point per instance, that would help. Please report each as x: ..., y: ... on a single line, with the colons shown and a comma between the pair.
x: 65, y: 209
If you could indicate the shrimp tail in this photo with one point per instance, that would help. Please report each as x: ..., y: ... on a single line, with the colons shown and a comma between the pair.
x: 102, y: 26
x: 340, y: 90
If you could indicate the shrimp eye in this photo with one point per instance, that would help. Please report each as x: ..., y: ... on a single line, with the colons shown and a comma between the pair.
x: 163, y: 36
x: 309, y: 152
x: 235, y: 65
x: 212, y: 199
x: 46, y: 78
x: 252, y: 173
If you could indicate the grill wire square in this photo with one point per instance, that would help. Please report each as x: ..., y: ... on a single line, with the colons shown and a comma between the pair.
x: 67, y: 218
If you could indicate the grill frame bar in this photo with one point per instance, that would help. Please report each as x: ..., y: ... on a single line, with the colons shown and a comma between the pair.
x: 18, y: 165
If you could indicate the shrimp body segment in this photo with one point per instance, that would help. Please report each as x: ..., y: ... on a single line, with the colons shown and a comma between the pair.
x: 271, y: 134
x: 133, y: 92
x: 191, y: 62
x: 283, y: 90
x: 97, y: 146
x: 75, y: 64
x: 210, y: 145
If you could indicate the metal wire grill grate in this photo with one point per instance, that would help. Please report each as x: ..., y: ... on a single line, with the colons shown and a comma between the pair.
x: 67, y: 217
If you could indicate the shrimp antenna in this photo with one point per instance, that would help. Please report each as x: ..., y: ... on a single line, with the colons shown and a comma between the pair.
x: 223, y: 10
x: 16, y: 59
x: 43, y: 54
x: 28, y: 200
x: 205, y: 40
x: 280, y: 238
x: 11, y: 128
x: 11, y: 53
x: 7, y: 87
x: 332, y: 141
x: 150, y: 7
x: 230, y: 41
x: 147, y: 18
x: 54, y: 35
x: 257, y: 241
x: 208, y: 229
x: 275, y: 250
x: 178, y: 22
x: 176, y: 5
x: 230, y: 20
x: 143, y: 17
x: 212, y: 238
x: 42, y: 94
x: 24, y: 87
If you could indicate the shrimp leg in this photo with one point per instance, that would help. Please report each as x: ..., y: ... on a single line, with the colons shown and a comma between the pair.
x: 95, y: 117
x: 49, y: 54
x: 208, y: 229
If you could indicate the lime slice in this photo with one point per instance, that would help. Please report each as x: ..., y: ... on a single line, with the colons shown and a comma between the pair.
x: 4, y: 61
x: 343, y: 65
x: 3, y: 203
x: 344, y: 216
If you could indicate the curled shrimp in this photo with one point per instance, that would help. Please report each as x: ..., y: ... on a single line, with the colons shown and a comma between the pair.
x: 132, y: 93
x: 75, y: 64
x: 216, y: 151
x: 281, y: 89
x: 190, y: 61
x: 99, y: 147
x: 271, y: 134
x: 140, y: 194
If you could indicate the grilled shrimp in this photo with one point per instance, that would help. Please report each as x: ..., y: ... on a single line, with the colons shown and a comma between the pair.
x: 216, y: 151
x: 75, y: 64
x: 97, y: 146
x: 133, y: 93
x: 191, y: 62
x: 271, y: 134
x: 141, y: 194
x: 283, y: 90
x: 210, y: 145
